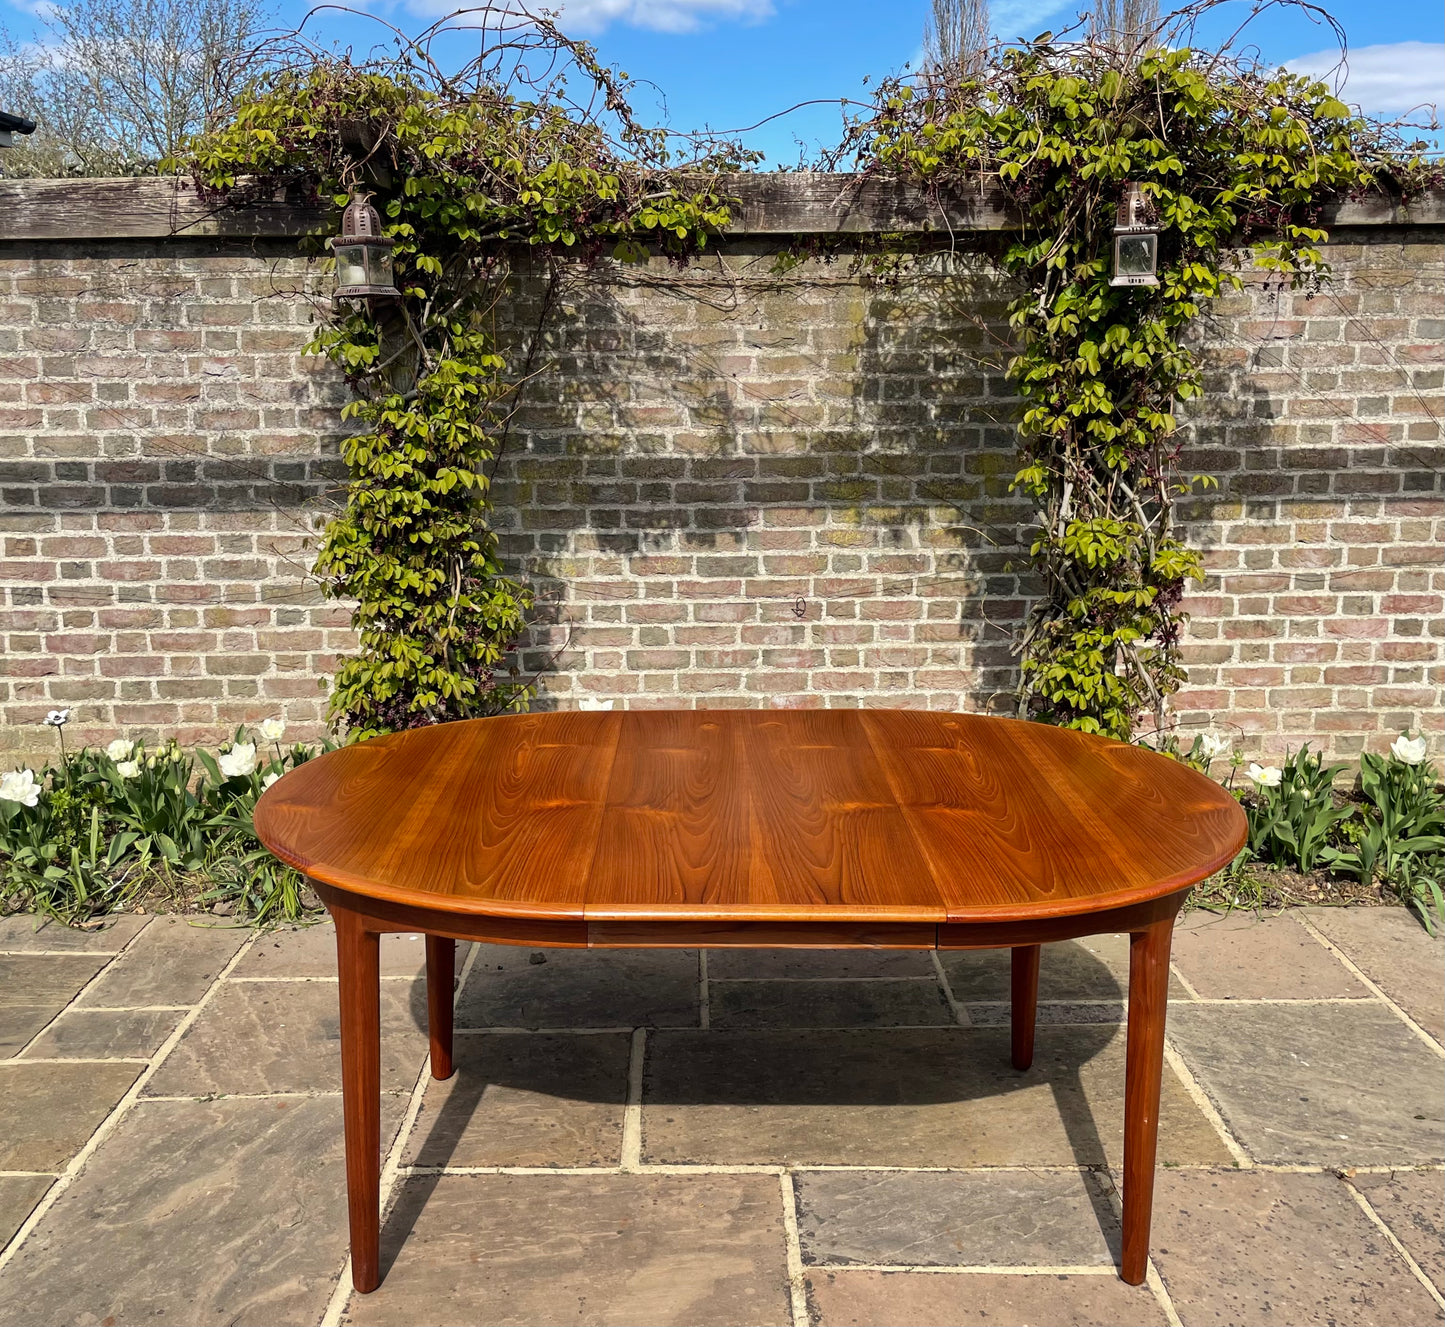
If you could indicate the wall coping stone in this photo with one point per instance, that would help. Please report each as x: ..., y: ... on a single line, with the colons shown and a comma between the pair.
x: 778, y: 203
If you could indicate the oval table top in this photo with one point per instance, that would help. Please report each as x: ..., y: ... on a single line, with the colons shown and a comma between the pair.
x: 751, y: 815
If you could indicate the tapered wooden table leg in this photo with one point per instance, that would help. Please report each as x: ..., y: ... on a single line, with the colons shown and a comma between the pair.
x: 441, y: 958
x: 357, y: 954
x: 1144, y: 1068
x: 1024, y: 1006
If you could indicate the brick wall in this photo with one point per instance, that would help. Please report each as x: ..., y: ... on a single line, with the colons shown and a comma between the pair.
x: 729, y: 488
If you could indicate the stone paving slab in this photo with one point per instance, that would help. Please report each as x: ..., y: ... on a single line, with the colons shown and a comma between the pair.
x: 195, y: 1212
x: 44, y: 979
x: 577, y: 988
x: 310, y: 951
x: 999, y: 1218
x: 48, y: 1110
x: 171, y: 962
x: 18, y: 1196
x: 1276, y: 1250
x: 24, y: 932
x: 910, y: 1097
x: 20, y: 1023
x: 1238, y: 956
x: 1391, y: 948
x: 36, y: 987
x: 106, y: 1034
x: 828, y: 1004
x: 1412, y: 1204
x: 285, y: 1036
x: 610, y: 1250
x: 1326, y: 1084
x: 924, y: 1299
x: 551, y: 1099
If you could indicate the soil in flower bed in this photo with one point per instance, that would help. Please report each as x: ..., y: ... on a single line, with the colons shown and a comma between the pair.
x: 1275, y: 887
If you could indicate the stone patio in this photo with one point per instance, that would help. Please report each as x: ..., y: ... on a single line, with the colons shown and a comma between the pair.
x: 728, y: 1138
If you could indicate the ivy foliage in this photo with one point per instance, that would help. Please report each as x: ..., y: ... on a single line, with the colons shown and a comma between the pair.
x: 468, y: 172
x: 1224, y: 150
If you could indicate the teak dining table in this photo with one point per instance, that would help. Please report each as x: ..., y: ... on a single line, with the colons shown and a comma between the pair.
x: 882, y: 829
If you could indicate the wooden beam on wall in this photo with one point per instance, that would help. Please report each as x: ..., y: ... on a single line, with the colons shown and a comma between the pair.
x: 788, y: 203
x: 105, y: 209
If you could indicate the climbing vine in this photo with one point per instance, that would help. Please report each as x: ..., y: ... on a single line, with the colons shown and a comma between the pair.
x: 1224, y: 150
x: 473, y: 173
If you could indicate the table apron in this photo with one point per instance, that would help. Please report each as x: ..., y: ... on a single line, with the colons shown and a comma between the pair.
x: 572, y: 933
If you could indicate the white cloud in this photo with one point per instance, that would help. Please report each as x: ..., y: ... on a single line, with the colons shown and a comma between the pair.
x: 661, y: 15
x: 1015, y: 19
x: 1392, y: 78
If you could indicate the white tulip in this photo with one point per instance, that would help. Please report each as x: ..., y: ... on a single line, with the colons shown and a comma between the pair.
x: 120, y: 749
x: 1264, y: 776
x: 128, y: 769
x: 238, y: 761
x: 269, y: 779
x: 19, y: 785
x: 1409, y: 750
x: 1212, y: 745
x: 273, y: 730
x: 58, y: 718
x: 592, y: 703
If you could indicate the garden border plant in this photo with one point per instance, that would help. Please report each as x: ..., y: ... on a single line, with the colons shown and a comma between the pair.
x: 102, y: 830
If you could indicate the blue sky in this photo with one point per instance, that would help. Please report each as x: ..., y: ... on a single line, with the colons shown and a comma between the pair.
x: 726, y: 64
x: 729, y: 63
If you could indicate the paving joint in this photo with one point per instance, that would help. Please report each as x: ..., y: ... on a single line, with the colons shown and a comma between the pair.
x: 105, y: 967
x: 965, y: 1269
x: 631, y: 1151
x: 78, y: 1059
x: 960, y: 1014
x: 1184, y: 981
x: 1201, y: 1099
x: 1155, y: 1282
x: 1421, y: 1276
x: 1361, y: 976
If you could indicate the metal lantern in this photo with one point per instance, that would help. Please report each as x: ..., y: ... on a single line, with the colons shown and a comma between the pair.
x: 363, y: 254
x: 1136, y: 242
x: 10, y: 125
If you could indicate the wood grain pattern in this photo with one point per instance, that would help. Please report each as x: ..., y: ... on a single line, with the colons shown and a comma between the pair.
x: 358, y: 962
x: 759, y: 935
x: 1143, y: 1075
x: 795, y: 203
x: 871, y: 817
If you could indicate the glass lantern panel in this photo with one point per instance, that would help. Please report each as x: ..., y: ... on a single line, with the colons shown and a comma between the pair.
x: 379, y: 266
x: 1135, y: 255
x: 350, y: 265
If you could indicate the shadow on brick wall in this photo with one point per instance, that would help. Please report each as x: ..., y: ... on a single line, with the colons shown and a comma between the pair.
x: 738, y: 488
